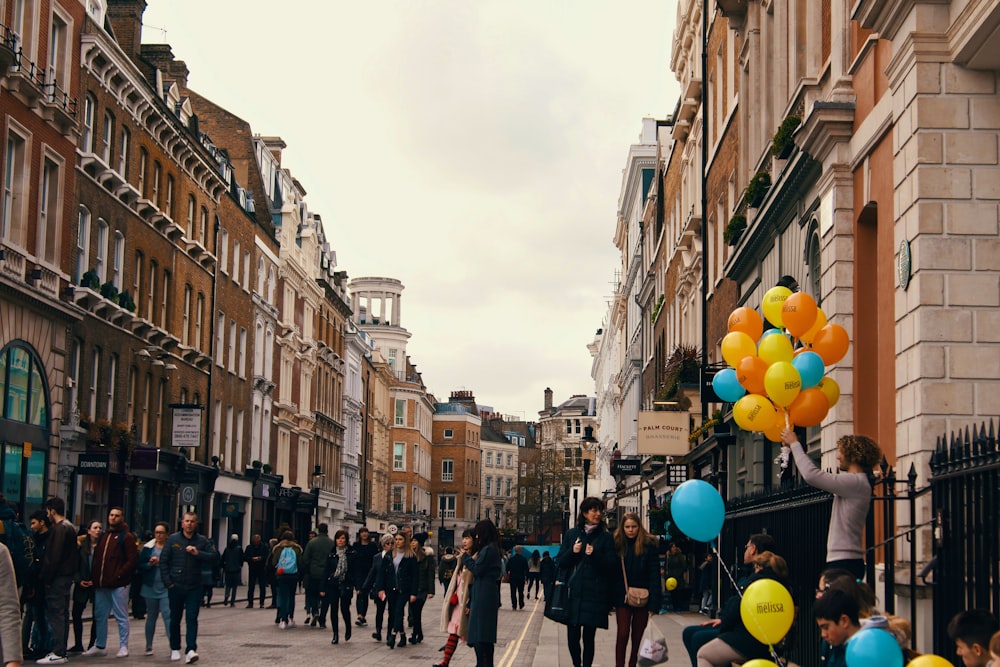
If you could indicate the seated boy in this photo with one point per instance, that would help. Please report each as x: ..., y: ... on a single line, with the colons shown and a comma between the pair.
x: 995, y: 649
x: 836, y: 614
x: 971, y: 631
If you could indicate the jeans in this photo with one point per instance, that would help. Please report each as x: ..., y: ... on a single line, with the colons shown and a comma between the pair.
x: 156, y: 607
x: 286, y: 595
x: 380, y: 606
x: 57, y: 611
x: 184, y: 603
x: 256, y: 580
x: 696, y: 636
x: 361, y: 604
x: 334, y: 598
x: 114, y: 600
x: 416, y: 615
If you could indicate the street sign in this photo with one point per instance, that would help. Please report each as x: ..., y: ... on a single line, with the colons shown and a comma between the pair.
x: 630, y: 466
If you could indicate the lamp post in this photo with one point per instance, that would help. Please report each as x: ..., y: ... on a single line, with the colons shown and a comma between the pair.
x: 589, y: 443
x: 318, y: 477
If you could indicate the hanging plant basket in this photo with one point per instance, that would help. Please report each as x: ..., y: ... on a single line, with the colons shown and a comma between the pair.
x: 757, y: 188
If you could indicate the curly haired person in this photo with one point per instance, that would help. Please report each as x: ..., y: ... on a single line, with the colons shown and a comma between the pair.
x: 857, y: 456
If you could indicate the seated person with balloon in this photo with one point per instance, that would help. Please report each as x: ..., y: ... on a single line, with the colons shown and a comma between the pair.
x: 971, y: 631
x: 836, y: 614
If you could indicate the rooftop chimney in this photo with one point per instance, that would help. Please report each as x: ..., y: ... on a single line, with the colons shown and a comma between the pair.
x: 125, y: 17
x: 548, y: 398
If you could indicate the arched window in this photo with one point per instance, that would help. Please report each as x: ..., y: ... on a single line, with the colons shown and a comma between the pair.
x: 814, y: 253
x: 22, y: 385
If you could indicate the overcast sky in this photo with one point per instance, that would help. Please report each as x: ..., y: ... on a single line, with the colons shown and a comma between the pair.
x: 472, y: 150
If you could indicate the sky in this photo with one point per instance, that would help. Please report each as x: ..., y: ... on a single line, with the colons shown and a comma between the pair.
x: 471, y: 149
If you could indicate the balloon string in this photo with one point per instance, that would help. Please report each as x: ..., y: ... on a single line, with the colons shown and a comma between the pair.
x: 729, y: 574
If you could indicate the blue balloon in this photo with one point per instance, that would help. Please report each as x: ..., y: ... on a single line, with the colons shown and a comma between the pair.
x: 698, y: 510
x: 767, y: 333
x: 873, y: 647
x: 727, y: 387
x: 810, y: 368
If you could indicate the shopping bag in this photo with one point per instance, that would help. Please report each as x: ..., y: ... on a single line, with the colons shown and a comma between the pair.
x: 557, y: 604
x: 653, y: 649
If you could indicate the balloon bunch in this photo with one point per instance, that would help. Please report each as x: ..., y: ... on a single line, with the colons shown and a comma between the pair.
x: 768, y: 380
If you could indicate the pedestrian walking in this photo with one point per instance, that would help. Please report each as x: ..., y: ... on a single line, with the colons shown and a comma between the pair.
x: 115, y: 561
x: 640, y: 567
x: 484, y: 595
x: 59, y: 568
x: 286, y: 562
x: 857, y: 456
x: 180, y: 569
x: 676, y: 569
x: 588, y: 551
x: 455, y: 610
x: 364, y: 552
x: 211, y: 572
x: 314, y: 560
x: 517, y: 575
x: 708, y: 584
x: 232, y: 570
x: 426, y: 568
x: 547, y: 574
x: 397, y: 585
x: 152, y: 588
x: 10, y: 612
x: 386, y: 543
x: 255, y: 556
x: 35, y: 634
x: 338, y: 587
x: 534, y: 573
x: 83, y: 585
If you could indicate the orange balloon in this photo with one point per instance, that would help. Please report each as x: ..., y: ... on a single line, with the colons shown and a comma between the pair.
x: 817, y: 325
x: 831, y: 343
x: 798, y: 313
x: 748, y: 321
x: 809, y: 408
x: 750, y: 373
x: 774, y: 433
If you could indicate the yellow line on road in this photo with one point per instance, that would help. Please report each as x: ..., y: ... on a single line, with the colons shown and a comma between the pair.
x: 515, y: 646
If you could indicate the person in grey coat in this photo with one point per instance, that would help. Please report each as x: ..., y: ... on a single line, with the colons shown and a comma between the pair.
x: 10, y: 612
x: 588, y: 551
x: 484, y: 592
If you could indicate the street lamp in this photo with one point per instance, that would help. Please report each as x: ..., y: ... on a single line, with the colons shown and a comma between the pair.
x: 589, y: 442
x: 318, y: 477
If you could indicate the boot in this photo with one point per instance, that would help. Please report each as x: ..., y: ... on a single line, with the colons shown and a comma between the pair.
x: 347, y: 632
x: 336, y: 639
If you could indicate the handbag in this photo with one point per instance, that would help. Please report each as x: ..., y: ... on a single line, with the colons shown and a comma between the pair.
x: 653, y: 649
x: 634, y: 597
x: 557, y: 604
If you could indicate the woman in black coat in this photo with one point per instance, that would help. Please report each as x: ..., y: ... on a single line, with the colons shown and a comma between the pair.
x: 640, y: 568
x: 588, y: 553
x: 338, y: 587
x: 484, y: 592
x: 397, y: 585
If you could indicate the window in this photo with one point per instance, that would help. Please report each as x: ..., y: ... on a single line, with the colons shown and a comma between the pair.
x: 198, y: 315
x: 398, y: 492
x: 12, y: 226
x: 151, y: 293
x: 246, y: 271
x: 137, y: 281
x: 112, y: 372
x: 168, y: 199
x: 400, y: 412
x: 449, y: 434
x: 569, y: 426
x: 447, y: 470
x: 224, y: 249
x: 489, y: 459
x: 82, y: 244
x: 522, y: 495
x: 118, y: 260
x: 237, y: 251
x: 509, y: 483
x: 510, y: 460
x: 190, y: 217
x: 220, y: 332
x: 242, y: 368
x: 399, y: 456
x: 123, y: 153
x: 95, y: 372
x: 155, y: 194
x: 203, y: 226
x: 59, y: 35
x: 48, y: 211
x: 524, y: 470
x: 576, y: 424
x: 392, y: 359
x: 185, y: 329
x: 232, y: 347
x: 141, y: 177
x: 446, y: 506
x: 87, y: 137
x: 488, y: 491
x: 109, y: 138
x: 101, y: 260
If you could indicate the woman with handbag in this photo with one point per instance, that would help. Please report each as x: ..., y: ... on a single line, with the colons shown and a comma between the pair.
x: 588, y: 552
x: 455, y: 610
x: 397, y: 586
x: 484, y: 591
x: 638, y: 591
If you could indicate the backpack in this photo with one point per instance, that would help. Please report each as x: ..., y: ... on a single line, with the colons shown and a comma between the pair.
x: 288, y: 562
x: 21, y: 547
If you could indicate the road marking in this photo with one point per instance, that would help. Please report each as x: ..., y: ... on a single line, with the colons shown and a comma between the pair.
x: 515, y: 646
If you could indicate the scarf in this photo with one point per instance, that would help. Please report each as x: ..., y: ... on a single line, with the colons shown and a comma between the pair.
x: 341, y: 570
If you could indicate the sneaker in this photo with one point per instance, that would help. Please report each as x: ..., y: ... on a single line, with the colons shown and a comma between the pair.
x: 52, y: 659
x: 123, y: 652
x: 282, y: 625
x: 291, y: 622
x: 95, y: 650
x: 149, y: 650
x: 175, y: 656
x: 191, y: 656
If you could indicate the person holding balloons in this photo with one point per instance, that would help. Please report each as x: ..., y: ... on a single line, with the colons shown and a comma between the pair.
x: 640, y: 569
x: 857, y: 456
x: 588, y: 550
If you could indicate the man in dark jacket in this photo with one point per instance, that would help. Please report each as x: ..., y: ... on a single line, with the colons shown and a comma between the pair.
x: 255, y: 556
x: 364, y: 554
x: 314, y: 558
x: 517, y: 573
x: 180, y: 568
x: 115, y: 560
x: 59, y: 566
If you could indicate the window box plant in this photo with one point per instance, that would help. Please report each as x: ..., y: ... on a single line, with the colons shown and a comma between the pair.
x: 90, y: 280
x: 126, y: 301
x: 734, y: 229
x: 757, y: 188
x: 110, y: 292
x: 782, y: 144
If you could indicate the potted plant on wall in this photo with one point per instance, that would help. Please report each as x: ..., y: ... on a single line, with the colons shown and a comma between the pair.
x: 782, y: 144
x: 757, y: 188
x: 110, y: 292
x: 90, y: 280
x: 734, y: 229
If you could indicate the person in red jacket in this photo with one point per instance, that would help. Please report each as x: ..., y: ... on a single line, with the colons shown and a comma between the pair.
x: 115, y: 559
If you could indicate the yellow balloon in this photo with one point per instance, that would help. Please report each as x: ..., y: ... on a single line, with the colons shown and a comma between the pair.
x: 759, y: 662
x: 754, y: 412
x: 737, y: 345
x: 775, y: 347
x: 817, y: 325
x: 774, y: 301
x: 782, y: 382
x: 927, y: 660
x: 767, y: 611
x: 671, y: 584
x: 830, y: 389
